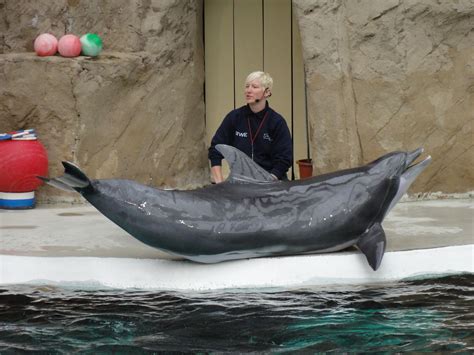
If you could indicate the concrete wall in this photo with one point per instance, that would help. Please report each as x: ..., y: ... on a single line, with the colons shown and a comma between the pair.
x: 385, y: 75
x: 136, y: 111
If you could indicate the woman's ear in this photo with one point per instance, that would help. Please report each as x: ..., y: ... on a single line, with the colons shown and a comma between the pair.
x: 269, y: 93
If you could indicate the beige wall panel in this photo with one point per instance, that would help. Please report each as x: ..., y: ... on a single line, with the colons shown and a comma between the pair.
x: 248, y: 38
x: 219, y: 53
x: 300, y: 141
x: 277, y: 53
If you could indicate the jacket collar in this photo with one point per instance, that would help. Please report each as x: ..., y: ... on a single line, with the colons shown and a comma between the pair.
x: 259, y: 114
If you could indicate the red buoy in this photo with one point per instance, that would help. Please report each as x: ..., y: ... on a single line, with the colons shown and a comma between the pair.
x: 20, y: 163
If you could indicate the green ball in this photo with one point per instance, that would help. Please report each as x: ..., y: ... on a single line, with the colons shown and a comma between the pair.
x: 91, y: 44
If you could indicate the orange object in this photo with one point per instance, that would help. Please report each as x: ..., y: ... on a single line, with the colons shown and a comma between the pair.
x: 306, y: 168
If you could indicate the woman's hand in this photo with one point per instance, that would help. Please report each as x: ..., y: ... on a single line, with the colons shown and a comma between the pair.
x: 216, y: 172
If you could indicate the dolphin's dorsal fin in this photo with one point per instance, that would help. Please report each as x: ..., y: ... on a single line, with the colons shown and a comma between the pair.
x: 372, y: 243
x: 242, y: 168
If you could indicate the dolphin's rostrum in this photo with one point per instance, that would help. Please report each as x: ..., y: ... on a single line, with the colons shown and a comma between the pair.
x: 250, y: 215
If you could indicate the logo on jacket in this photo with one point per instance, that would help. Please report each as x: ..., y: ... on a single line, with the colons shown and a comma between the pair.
x: 267, y: 137
x: 240, y: 134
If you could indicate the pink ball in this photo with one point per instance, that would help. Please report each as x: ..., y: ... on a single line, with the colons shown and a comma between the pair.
x: 46, y: 44
x: 69, y: 46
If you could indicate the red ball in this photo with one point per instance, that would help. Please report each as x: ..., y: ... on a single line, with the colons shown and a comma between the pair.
x: 46, y: 44
x: 20, y: 163
x: 69, y: 46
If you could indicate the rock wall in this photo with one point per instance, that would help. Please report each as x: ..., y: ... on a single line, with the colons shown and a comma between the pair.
x: 136, y: 111
x: 381, y: 76
x: 389, y: 75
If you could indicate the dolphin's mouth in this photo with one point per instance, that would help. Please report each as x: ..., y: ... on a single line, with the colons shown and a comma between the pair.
x: 410, y: 174
x: 416, y: 169
x: 412, y: 156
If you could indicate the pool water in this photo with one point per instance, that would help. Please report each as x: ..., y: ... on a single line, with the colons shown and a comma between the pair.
x: 422, y: 315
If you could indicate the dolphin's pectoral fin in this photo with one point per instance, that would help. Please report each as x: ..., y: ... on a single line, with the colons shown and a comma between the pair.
x: 242, y: 168
x: 372, y: 243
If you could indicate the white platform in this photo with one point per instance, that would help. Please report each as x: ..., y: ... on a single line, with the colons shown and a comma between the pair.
x: 287, y: 272
x: 76, y: 245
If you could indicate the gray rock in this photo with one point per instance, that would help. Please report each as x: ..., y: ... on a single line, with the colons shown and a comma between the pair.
x: 388, y: 75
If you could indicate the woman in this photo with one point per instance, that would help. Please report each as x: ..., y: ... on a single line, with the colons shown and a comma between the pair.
x: 256, y: 130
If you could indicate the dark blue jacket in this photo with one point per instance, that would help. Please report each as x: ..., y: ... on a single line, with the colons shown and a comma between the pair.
x: 272, y: 146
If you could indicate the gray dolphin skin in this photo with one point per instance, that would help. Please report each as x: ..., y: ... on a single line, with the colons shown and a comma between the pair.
x: 251, y: 215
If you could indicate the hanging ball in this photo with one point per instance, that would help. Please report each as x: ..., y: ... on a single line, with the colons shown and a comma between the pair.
x: 45, y: 45
x: 91, y: 44
x: 20, y: 163
x: 69, y: 46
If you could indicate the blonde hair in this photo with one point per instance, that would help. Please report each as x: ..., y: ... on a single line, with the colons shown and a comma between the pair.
x: 264, y: 78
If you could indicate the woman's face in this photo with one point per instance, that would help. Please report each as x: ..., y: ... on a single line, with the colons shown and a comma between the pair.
x: 254, y: 91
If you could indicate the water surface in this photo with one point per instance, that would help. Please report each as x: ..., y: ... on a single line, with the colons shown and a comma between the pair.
x: 423, y: 315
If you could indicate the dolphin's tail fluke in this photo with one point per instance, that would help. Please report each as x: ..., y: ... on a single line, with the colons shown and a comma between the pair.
x: 72, y: 180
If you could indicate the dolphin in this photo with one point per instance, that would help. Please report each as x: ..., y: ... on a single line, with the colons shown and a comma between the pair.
x: 251, y: 215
